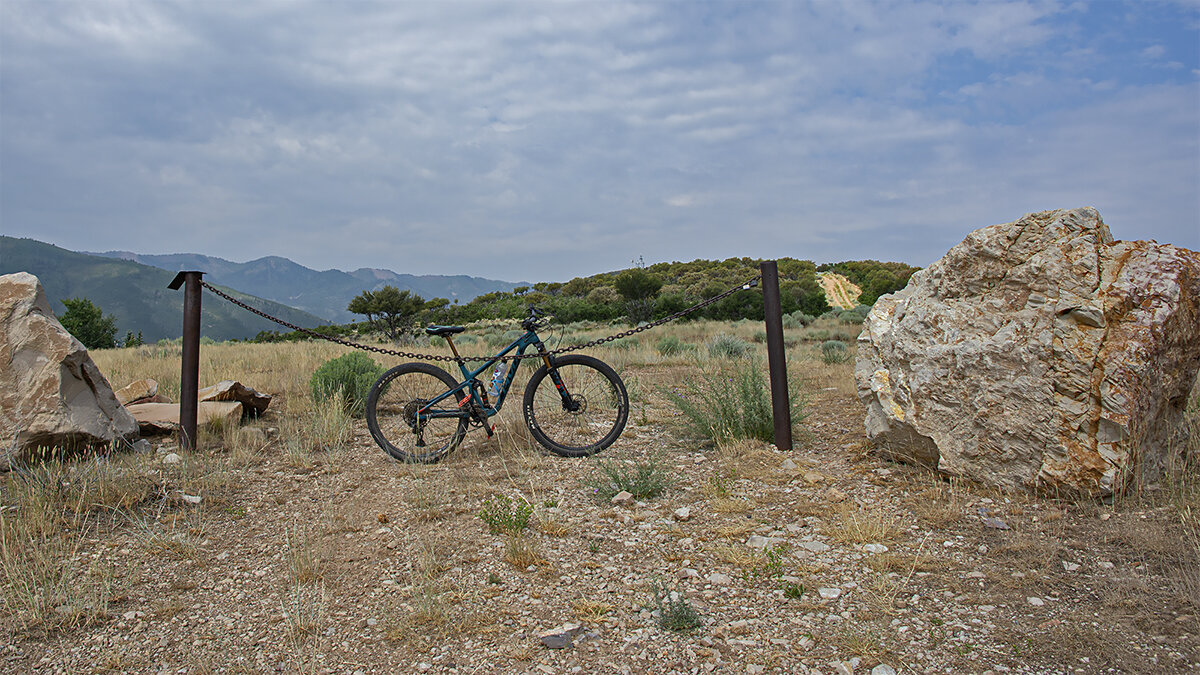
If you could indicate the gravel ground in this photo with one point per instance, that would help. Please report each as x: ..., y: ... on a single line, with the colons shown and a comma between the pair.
x: 825, y: 559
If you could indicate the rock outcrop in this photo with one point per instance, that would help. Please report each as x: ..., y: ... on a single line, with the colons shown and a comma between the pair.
x: 51, y: 393
x: 1039, y: 354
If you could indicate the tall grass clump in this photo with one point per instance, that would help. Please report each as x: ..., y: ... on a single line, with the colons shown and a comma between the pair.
x: 671, y: 345
x: 834, y: 352
x: 726, y: 346
x: 732, y: 400
x: 352, y: 375
x: 642, y: 479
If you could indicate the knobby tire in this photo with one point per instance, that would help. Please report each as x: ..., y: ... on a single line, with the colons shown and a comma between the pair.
x: 601, y: 394
x: 390, y: 407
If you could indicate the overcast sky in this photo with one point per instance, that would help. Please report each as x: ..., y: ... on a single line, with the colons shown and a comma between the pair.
x: 541, y: 141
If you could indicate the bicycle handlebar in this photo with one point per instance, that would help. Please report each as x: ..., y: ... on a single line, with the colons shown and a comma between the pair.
x: 536, y: 318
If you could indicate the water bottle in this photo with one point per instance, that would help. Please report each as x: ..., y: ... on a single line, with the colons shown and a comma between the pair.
x: 498, y: 379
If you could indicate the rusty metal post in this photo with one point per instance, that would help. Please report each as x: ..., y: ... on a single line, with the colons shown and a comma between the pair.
x: 781, y: 406
x: 189, y: 375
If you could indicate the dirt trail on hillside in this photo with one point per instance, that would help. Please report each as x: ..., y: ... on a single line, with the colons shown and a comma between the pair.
x: 839, y: 291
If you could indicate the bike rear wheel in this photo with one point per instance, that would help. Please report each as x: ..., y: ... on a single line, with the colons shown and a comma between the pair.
x: 595, y: 415
x: 391, y: 413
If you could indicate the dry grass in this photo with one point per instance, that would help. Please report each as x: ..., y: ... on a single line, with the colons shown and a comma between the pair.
x: 854, y: 525
x: 592, y: 611
x: 521, y: 552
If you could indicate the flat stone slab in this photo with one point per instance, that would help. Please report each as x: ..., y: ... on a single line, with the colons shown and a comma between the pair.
x: 163, y: 418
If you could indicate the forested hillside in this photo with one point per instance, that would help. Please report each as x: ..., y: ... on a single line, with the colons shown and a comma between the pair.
x: 654, y: 291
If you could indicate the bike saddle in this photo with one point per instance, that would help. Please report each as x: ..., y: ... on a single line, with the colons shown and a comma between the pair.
x: 443, y: 331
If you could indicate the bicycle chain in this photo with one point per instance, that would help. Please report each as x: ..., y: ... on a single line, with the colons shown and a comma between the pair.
x: 747, y: 285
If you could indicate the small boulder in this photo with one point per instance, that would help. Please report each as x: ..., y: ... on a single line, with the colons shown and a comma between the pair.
x: 51, y: 393
x: 137, y: 391
x: 561, y: 637
x: 254, y: 403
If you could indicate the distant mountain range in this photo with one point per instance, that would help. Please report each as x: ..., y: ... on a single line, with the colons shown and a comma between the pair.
x: 133, y: 288
x: 136, y: 294
x: 325, y: 293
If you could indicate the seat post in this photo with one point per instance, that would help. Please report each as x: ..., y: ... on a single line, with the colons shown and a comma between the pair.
x: 453, y: 349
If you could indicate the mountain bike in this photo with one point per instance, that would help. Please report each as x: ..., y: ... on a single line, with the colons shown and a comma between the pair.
x: 574, y: 405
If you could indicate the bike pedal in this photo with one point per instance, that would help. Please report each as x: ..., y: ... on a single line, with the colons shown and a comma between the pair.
x: 491, y: 430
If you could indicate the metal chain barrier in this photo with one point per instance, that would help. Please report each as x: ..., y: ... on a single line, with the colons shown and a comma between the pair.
x: 747, y: 285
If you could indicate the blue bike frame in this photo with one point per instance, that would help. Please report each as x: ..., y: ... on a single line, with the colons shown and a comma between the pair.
x: 466, y: 391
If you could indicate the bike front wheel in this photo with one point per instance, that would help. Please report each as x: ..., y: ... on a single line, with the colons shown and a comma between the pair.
x: 392, y: 408
x: 588, y: 418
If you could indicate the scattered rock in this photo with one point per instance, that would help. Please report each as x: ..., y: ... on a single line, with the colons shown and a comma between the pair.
x: 883, y: 669
x: 253, y: 403
x: 562, y: 636
x: 1070, y: 566
x: 875, y: 548
x: 683, y: 514
x: 172, y: 458
x: 1035, y: 601
x: 136, y: 391
x: 788, y: 465
x: 687, y: 573
x: 814, y: 546
x: 835, y: 495
x: 1036, y: 354
x: 186, y: 498
x: 995, y: 523
x: 720, y: 579
x: 830, y: 593
x: 759, y: 541
x: 623, y: 498
x: 51, y: 393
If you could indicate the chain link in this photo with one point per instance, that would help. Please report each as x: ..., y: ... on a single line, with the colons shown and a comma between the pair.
x: 748, y: 284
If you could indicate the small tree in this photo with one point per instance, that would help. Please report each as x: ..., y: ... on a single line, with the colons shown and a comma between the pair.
x: 638, y: 287
x: 389, y: 309
x: 87, y: 323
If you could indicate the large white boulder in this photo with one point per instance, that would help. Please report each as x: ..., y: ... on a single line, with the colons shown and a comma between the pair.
x: 1038, y: 354
x: 51, y: 393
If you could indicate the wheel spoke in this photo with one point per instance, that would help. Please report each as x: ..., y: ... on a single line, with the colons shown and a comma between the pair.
x: 595, y: 416
x: 395, y: 419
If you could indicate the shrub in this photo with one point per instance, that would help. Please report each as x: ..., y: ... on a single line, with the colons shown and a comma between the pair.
x: 351, y: 374
x: 790, y: 321
x: 505, y: 515
x: 726, y: 346
x: 733, y: 401
x: 834, y: 351
x: 671, y: 345
x: 672, y: 609
x: 802, y: 318
x: 642, y: 479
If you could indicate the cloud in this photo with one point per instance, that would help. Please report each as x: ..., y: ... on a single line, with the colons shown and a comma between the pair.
x: 568, y: 138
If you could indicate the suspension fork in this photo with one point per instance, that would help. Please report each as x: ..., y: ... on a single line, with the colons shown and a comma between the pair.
x: 568, y: 402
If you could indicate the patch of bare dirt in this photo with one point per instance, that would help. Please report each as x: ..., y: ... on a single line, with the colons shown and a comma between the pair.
x: 349, y: 562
